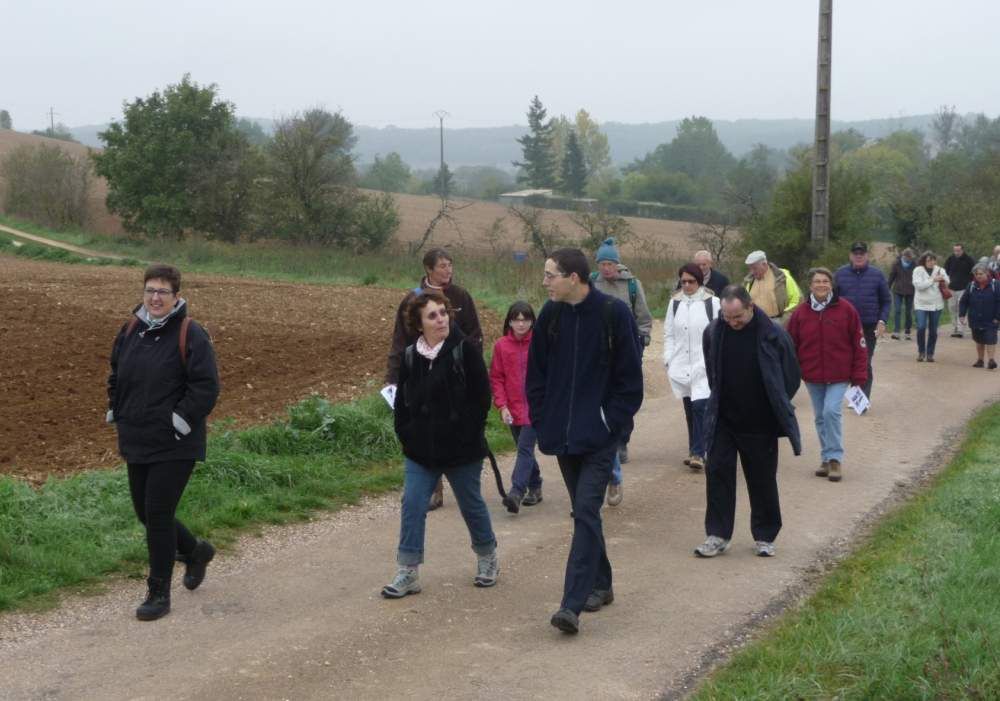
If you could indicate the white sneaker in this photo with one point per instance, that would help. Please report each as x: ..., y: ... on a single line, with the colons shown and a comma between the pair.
x: 713, y: 545
x: 406, y: 581
x: 615, y: 495
x: 763, y: 549
x: 487, y: 570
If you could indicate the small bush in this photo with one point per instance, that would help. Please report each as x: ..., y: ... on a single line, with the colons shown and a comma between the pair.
x: 47, y: 185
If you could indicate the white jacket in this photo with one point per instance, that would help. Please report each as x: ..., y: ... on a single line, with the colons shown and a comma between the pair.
x: 926, y: 295
x: 682, y: 349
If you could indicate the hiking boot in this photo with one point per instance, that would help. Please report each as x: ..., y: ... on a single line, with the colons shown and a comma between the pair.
x: 920, y: 358
x: 406, y: 581
x: 894, y: 337
x: 992, y: 365
x: 599, y: 598
x: 566, y: 621
x: 696, y: 462
x: 978, y: 363
x: 824, y: 469
x: 762, y: 548
x: 437, y: 498
x: 487, y: 570
x: 196, y: 564
x: 687, y: 460
x: 157, y: 603
x: 713, y: 545
x: 930, y: 358
x: 534, y: 496
x: 615, y: 495
x: 623, y: 454
x: 513, y: 500
x: 835, y: 470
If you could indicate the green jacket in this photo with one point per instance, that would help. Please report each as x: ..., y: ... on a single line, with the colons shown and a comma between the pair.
x: 786, y: 291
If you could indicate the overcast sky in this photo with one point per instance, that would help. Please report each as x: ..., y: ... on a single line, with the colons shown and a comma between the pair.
x: 397, y: 62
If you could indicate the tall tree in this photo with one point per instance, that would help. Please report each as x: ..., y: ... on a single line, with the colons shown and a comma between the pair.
x: 389, y: 174
x: 593, y: 143
x: 443, y: 182
x: 945, y: 127
x: 5, y: 120
x: 573, y: 174
x: 538, y: 166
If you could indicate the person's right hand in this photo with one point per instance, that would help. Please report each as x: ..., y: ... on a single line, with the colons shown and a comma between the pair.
x: 963, y: 320
x: 507, y: 417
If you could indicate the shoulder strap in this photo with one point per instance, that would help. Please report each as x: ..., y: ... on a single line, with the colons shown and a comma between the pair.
x: 458, y: 362
x: 593, y: 276
x: 676, y: 304
x: 633, y: 292
x: 132, y: 323
x: 709, y: 311
x: 182, y: 340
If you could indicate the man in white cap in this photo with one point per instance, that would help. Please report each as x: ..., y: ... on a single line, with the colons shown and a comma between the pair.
x: 771, y: 288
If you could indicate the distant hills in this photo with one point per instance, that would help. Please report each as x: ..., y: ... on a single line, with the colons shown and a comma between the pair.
x: 497, y: 146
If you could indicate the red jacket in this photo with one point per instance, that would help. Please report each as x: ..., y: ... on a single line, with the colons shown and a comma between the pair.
x: 830, y: 344
x: 507, y: 372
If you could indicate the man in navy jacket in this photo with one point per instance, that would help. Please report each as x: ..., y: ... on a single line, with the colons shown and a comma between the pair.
x: 865, y: 287
x: 584, y: 385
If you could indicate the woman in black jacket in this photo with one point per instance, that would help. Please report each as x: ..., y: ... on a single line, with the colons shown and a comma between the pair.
x: 163, y: 384
x: 442, y: 400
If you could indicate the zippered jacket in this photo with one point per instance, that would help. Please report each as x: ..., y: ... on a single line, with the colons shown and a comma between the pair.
x: 830, y: 344
x: 866, y: 289
x: 981, y: 305
x: 507, y: 373
x: 619, y: 288
x: 901, y: 278
x: 582, y: 395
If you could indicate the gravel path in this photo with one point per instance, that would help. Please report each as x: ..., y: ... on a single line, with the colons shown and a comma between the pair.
x: 294, y: 613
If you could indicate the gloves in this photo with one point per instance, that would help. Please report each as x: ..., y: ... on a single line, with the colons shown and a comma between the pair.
x: 110, y: 416
x: 180, y: 426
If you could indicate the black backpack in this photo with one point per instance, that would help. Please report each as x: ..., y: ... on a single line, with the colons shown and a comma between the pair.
x: 709, y: 312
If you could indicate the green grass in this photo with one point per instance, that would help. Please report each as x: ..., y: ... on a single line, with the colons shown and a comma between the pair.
x: 74, y: 532
x: 37, y: 251
x: 914, y: 614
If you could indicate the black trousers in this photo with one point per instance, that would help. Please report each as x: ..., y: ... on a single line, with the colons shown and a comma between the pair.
x: 869, y: 330
x: 759, y: 457
x: 588, y: 567
x: 156, y: 490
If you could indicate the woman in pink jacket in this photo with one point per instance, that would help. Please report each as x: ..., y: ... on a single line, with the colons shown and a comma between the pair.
x: 507, y: 372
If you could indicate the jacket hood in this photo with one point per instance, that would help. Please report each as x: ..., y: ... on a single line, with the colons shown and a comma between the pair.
x: 179, y: 311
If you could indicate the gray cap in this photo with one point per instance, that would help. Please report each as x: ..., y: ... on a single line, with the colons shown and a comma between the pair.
x: 756, y: 257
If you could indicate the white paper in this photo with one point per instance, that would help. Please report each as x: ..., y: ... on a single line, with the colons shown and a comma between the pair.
x: 856, y: 399
x: 389, y: 395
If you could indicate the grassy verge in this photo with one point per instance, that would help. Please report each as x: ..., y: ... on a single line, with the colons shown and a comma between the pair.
x: 74, y: 531
x: 914, y: 614
x: 37, y: 251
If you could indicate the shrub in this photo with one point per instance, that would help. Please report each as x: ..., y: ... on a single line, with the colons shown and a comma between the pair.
x: 47, y: 185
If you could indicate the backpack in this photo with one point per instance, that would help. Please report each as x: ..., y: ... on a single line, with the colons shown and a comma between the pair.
x: 633, y: 289
x: 709, y: 312
x: 608, y: 340
x: 181, y: 340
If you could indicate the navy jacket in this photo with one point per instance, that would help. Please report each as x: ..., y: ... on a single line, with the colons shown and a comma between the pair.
x: 778, y: 367
x: 866, y: 288
x: 981, y: 305
x: 581, y: 397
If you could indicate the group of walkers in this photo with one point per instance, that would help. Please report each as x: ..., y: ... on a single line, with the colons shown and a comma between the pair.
x: 568, y: 382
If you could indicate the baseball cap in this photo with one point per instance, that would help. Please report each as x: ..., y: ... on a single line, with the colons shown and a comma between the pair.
x: 859, y: 247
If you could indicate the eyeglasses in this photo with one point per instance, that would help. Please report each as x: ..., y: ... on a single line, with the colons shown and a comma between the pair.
x: 436, y: 314
x: 553, y: 276
x: 688, y: 281
x: 154, y: 291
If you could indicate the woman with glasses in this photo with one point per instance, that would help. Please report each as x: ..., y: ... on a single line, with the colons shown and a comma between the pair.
x: 442, y: 400
x: 162, y: 387
x: 689, y: 313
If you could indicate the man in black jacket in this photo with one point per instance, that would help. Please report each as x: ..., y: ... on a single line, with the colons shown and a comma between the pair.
x: 959, y: 268
x: 753, y: 373
x: 584, y: 385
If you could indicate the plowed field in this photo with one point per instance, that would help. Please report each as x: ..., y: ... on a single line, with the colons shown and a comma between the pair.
x: 276, y: 343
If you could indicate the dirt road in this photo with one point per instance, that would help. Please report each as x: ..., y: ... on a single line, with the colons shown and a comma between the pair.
x: 295, y: 613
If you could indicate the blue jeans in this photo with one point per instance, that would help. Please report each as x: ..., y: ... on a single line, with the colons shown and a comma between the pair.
x: 927, y: 325
x: 588, y: 567
x: 828, y: 407
x: 616, y: 469
x: 417, y: 488
x: 694, y: 413
x: 899, y: 302
x: 526, y: 473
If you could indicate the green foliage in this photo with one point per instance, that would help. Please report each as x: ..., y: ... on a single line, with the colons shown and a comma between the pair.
x: 593, y: 143
x: 599, y: 225
x: 5, y: 121
x: 254, y: 132
x: 443, y: 182
x: 375, y: 222
x: 573, y: 174
x: 389, y: 174
x: 660, y: 186
x: 481, y: 182
x: 60, y: 131
x: 750, y: 185
x: 47, y: 185
x: 538, y: 166
x: 51, y: 254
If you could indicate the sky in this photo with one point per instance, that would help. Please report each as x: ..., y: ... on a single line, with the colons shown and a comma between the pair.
x: 396, y: 63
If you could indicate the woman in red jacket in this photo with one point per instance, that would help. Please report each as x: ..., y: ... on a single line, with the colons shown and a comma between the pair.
x: 507, y: 371
x: 830, y: 345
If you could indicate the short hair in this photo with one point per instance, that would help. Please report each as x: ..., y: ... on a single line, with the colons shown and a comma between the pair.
x: 572, y: 260
x: 694, y: 271
x: 924, y: 256
x: 908, y: 252
x: 518, y: 308
x: 819, y: 270
x: 416, y: 304
x: 702, y: 253
x: 731, y: 292
x: 980, y: 268
x: 959, y: 244
x: 433, y: 255
x: 162, y: 271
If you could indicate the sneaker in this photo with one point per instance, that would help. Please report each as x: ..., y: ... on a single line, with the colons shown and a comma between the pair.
x: 835, y: 471
x: 894, y: 337
x: 687, y: 460
x: 992, y: 365
x: 534, y: 496
x: 930, y: 358
x: 763, y: 549
x: 956, y: 335
x: 513, y: 501
x: 598, y: 599
x: 487, y: 570
x: 978, y: 364
x: 713, y: 545
x: 907, y: 337
x: 615, y: 495
x: 566, y: 621
x: 920, y: 358
x: 824, y: 469
x: 696, y: 462
x: 623, y: 454
x: 406, y: 581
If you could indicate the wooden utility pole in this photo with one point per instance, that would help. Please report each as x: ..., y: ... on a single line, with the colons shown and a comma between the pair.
x: 441, y: 114
x: 821, y: 157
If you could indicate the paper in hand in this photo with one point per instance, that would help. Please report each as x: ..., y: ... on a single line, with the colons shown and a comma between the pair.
x: 857, y: 400
x: 389, y: 395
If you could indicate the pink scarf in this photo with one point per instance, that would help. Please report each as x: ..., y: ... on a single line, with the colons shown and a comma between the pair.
x: 427, y: 351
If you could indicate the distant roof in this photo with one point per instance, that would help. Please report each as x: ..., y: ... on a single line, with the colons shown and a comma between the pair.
x: 526, y: 193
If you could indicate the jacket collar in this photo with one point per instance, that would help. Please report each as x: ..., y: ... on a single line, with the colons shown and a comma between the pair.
x: 179, y: 311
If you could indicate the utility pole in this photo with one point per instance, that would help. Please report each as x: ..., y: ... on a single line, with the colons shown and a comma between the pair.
x: 441, y: 114
x: 821, y: 158
x: 52, y: 120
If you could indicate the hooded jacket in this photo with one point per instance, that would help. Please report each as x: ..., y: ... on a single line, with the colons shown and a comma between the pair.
x: 682, y: 348
x: 439, y: 417
x: 507, y: 373
x: 582, y: 397
x: 779, y: 370
x: 619, y: 288
x: 149, y: 383
x: 866, y: 289
x: 830, y: 344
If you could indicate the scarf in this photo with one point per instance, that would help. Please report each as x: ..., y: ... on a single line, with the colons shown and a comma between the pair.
x: 153, y: 324
x: 816, y: 304
x: 427, y: 351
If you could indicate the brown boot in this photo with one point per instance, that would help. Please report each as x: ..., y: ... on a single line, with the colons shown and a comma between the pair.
x: 835, y: 471
x: 824, y: 469
x: 437, y: 498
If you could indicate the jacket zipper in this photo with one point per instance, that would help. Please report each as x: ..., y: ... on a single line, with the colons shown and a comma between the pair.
x: 572, y: 385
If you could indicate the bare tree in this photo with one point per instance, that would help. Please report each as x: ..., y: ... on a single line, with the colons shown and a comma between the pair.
x: 543, y: 238
x: 448, y: 208
x: 717, y: 239
x: 599, y: 225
